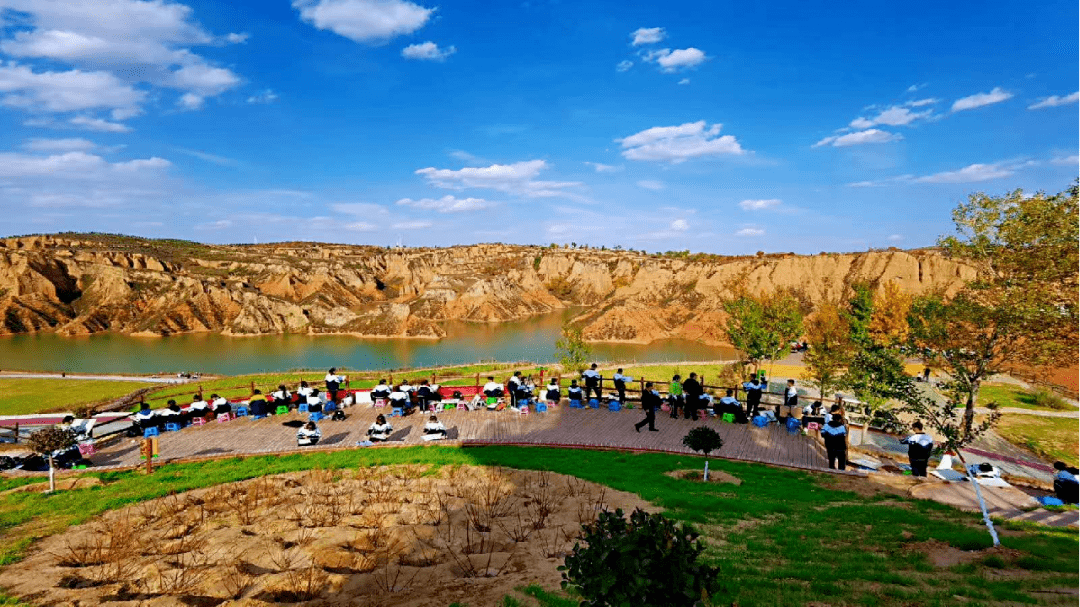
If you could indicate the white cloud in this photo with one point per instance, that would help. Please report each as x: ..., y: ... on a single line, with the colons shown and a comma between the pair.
x: 65, y: 91
x: 675, y: 60
x: 267, y: 96
x: 74, y: 144
x: 191, y: 101
x: 975, y: 173
x: 412, y: 225
x: 131, y: 41
x: 977, y: 100
x: 220, y: 224
x: 1055, y: 101
x: 427, y: 51
x: 447, y: 204
x: 758, y: 205
x: 604, y: 168
x: 684, y: 81
x: 624, y: 65
x: 97, y: 124
x: 921, y: 102
x: 679, y: 143
x: 360, y: 226
x: 360, y: 209
x: 518, y: 179
x: 648, y: 35
x: 859, y: 138
x: 651, y: 184
x: 366, y: 21
x: 892, y: 116
x: 750, y: 232
x: 679, y: 225
x: 75, y: 165
x: 212, y: 158
x: 895, y: 238
x: 1066, y: 160
x: 915, y: 87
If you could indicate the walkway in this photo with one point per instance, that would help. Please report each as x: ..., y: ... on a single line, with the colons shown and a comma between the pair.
x: 151, y: 379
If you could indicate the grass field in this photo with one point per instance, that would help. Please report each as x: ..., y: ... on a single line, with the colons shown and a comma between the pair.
x: 782, y: 537
x: 25, y: 396
x: 1052, y: 437
x: 1008, y: 395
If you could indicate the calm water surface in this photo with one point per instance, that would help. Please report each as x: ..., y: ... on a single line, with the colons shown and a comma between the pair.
x: 532, y: 339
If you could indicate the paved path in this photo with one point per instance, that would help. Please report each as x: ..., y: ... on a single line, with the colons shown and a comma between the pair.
x: 562, y: 426
x: 153, y: 379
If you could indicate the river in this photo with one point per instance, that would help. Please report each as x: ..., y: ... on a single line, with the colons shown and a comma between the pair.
x: 531, y: 339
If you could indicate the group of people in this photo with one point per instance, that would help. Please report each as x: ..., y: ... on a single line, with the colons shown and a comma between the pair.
x: 406, y: 396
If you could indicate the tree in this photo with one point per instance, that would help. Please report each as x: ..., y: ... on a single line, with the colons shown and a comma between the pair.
x: 829, y: 337
x: 951, y: 430
x: 762, y: 327
x: 1022, y: 306
x: 875, y: 371
x: 648, y: 560
x: 705, y: 440
x: 889, y: 319
x: 47, y: 441
x: 574, y: 353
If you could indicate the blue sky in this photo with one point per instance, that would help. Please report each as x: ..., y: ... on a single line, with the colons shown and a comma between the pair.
x: 710, y: 126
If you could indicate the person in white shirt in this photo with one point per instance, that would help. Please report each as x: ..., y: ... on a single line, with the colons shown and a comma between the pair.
x: 492, y: 388
x: 434, y: 429
x: 620, y: 385
x: 380, y: 430
x: 333, y: 383
x: 381, y: 391
x: 220, y: 404
x: 308, y: 434
x: 304, y: 390
x: 314, y: 401
x: 198, y: 406
x: 405, y: 386
x: 281, y: 396
x: 144, y: 417
x: 399, y: 398
x: 920, y: 446
x: 791, y: 401
x: 553, y: 394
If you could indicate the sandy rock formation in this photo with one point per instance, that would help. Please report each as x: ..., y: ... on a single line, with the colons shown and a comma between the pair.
x: 87, y: 283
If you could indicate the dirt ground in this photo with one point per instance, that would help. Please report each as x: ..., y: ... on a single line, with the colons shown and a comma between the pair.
x: 374, y: 536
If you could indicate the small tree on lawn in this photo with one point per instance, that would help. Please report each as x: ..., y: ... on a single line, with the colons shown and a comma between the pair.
x: 648, y: 560
x: 574, y: 353
x: 47, y: 441
x: 705, y: 440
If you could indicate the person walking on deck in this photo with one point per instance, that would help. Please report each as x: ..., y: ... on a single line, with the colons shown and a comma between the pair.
x: 650, y: 402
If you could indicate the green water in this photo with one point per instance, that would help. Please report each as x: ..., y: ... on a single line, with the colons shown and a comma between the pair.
x: 532, y: 339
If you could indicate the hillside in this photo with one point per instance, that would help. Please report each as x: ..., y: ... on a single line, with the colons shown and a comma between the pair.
x: 78, y: 284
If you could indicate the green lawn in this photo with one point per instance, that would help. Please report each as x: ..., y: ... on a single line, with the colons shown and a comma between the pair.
x: 782, y: 537
x: 1008, y: 395
x: 25, y: 396
x: 1052, y: 437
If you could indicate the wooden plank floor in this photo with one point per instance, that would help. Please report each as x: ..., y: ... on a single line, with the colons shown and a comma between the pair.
x: 559, y: 427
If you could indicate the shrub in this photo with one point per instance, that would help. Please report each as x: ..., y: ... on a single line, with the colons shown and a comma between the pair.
x: 646, y: 560
x: 1041, y: 397
x: 705, y: 440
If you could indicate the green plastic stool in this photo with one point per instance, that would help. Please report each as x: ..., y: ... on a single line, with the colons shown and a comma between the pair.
x: 282, y: 410
x: 728, y: 417
x: 491, y: 400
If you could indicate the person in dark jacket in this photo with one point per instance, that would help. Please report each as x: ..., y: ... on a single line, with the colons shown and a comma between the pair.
x: 592, y: 381
x: 650, y: 402
x: 553, y: 394
x: 919, y: 448
x: 257, y: 403
x: 835, y: 434
x: 574, y: 391
x: 692, y: 392
x: 753, y: 390
x: 620, y: 385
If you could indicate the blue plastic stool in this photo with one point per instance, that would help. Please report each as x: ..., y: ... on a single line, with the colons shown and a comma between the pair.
x: 258, y: 416
x: 793, y: 425
x: 397, y: 412
x: 761, y: 421
x: 614, y: 406
x: 595, y: 404
x: 576, y: 404
x: 148, y: 432
x: 303, y: 408
x: 172, y: 427
x: 316, y: 416
x: 330, y: 406
x: 541, y: 407
x: 241, y: 411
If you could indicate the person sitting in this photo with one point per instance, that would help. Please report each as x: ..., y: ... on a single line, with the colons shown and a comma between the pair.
x: 380, y: 430
x: 729, y: 404
x: 308, y: 434
x: 175, y: 413
x: 333, y: 383
x: 65, y: 424
x: 198, y: 407
x: 406, y: 387
x: 833, y: 410
x: 574, y: 391
x: 434, y: 429
x: 553, y: 394
x: 220, y: 404
x: 835, y: 434
x: 314, y: 401
x: 144, y: 417
x: 1065, y: 483
x: 493, y: 389
x: 425, y: 395
x: 257, y: 403
x: 380, y: 391
x: 282, y: 397
x: 919, y: 448
x: 303, y: 391
x: 400, y: 398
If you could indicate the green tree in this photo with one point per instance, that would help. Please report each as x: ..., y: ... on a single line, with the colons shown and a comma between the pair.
x: 829, y: 337
x: 762, y: 327
x: 705, y: 440
x: 875, y: 371
x: 574, y: 353
x: 1022, y: 306
x: 47, y: 441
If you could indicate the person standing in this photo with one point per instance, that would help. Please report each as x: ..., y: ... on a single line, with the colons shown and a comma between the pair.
x: 919, y: 448
x: 592, y: 381
x: 791, y: 400
x: 692, y: 392
x: 675, y: 395
x: 753, y: 395
x: 650, y: 402
x: 835, y: 434
x: 333, y: 382
x: 620, y: 385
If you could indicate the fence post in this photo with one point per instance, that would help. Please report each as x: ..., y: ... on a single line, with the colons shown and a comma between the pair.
x: 253, y: 386
x: 16, y: 433
x: 642, y: 379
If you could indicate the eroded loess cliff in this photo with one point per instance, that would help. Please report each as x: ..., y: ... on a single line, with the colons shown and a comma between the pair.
x: 79, y: 284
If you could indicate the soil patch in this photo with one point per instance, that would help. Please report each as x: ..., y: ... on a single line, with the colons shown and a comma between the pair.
x: 401, y: 536
x: 65, y: 484
x: 715, y: 476
x: 943, y: 555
